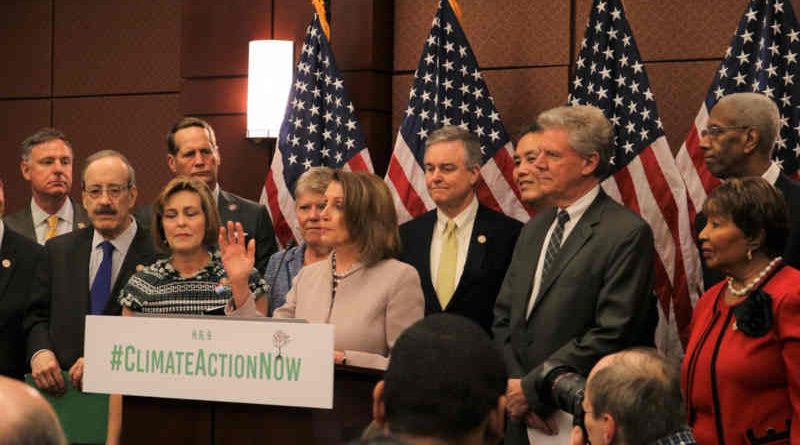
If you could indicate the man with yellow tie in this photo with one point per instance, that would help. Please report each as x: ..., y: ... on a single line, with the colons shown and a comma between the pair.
x: 461, y: 249
x: 47, y: 164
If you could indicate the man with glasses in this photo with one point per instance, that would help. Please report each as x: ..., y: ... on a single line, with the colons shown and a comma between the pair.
x: 737, y: 143
x: 47, y: 164
x: 84, y: 271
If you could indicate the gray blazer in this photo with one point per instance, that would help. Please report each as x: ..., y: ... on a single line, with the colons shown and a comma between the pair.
x: 22, y: 221
x: 595, y: 300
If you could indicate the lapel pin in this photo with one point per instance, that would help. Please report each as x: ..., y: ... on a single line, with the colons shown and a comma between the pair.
x: 81, y: 225
x: 482, y: 239
x: 6, y: 263
x: 139, y: 267
x: 232, y: 207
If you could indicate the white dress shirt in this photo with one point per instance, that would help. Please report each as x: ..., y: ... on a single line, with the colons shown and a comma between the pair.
x: 575, y: 211
x: 66, y: 215
x: 772, y: 173
x: 464, y: 223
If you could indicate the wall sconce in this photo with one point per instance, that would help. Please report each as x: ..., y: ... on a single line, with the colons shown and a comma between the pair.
x: 269, y: 79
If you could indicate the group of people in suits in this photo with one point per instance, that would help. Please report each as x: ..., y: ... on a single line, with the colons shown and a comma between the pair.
x: 571, y: 286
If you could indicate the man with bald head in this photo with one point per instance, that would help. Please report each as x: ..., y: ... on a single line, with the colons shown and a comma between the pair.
x: 27, y: 419
x: 737, y: 143
x: 84, y: 271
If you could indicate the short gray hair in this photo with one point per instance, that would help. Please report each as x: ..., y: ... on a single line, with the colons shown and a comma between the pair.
x: 589, y: 131
x: 109, y: 154
x: 641, y: 390
x: 40, y: 137
x: 314, y: 180
x: 471, y: 143
x: 755, y: 110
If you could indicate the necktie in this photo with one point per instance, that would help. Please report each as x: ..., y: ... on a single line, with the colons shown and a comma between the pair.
x: 446, y: 275
x: 52, y: 227
x: 555, y: 241
x: 101, y: 287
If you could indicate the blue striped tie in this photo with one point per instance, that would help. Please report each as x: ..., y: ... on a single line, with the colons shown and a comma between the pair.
x: 555, y: 241
x: 101, y: 287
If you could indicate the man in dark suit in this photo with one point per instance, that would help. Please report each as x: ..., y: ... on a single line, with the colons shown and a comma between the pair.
x: 463, y: 280
x: 741, y: 130
x: 192, y: 151
x: 18, y: 259
x: 580, y: 281
x: 84, y: 271
x: 47, y: 164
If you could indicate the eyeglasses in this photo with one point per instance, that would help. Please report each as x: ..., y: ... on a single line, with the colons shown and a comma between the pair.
x: 716, y: 130
x: 113, y: 191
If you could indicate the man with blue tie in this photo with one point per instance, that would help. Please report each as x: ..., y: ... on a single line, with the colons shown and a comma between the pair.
x: 84, y: 271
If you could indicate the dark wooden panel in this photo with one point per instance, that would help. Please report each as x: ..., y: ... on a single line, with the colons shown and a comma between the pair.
x: 291, y: 19
x: 25, y: 46
x: 116, y: 47
x: 214, y: 96
x: 244, y: 163
x: 680, y: 89
x: 133, y: 125
x: 22, y: 118
x: 361, y: 34
x: 377, y: 132
x: 412, y: 23
x: 216, y: 34
x: 369, y: 90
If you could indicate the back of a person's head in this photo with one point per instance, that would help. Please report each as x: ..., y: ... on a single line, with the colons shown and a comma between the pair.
x: 25, y: 417
x: 444, y: 377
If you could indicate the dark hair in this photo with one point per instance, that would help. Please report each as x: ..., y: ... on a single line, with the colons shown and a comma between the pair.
x: 444, y: 377
x: 188, y: 122
x: 641, y: 390
x: 532, y: 127
x: 756, y: 207
x: 40, y: 137
x: 369, y: 215
x: 189, y: 184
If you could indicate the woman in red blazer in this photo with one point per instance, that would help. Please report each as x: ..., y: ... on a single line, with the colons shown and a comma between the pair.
x: 741, y: 372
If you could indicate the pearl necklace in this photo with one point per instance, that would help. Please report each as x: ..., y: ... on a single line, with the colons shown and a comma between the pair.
x: 745, y: 290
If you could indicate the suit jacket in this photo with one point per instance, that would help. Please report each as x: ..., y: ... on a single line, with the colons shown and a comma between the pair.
x: 596, y: 298
x: 253, y: 216
x: 490, y: 247
x: 791, y: 254
x: 60, y: 294
x: 18, y: 259
x: 22, y: 220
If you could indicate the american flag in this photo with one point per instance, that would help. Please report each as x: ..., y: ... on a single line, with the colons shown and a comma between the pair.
x: 610, y: 75
x: 762, y: 57
x: 449, y: 89
x: 319, y: 129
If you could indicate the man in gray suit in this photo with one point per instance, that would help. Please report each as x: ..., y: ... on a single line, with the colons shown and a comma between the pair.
x: 580, y: 280
x: 47, y: 164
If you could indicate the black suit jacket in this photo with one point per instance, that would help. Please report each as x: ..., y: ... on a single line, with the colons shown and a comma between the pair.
x: 18, y: 259
x: 22, y: 220
x: 791, y: 254
x: 253, y: 216
x: 60, y: 297
x: 490, y: 247
x: 596, y: 298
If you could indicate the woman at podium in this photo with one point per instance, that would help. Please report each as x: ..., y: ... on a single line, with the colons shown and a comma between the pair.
x: 210, y: 269
x: 368, y: 295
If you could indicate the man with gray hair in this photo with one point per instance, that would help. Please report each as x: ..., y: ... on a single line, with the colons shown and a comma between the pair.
x: 579, y: 286
x: 461, y: 249
x: 634, y: 397
x: 27, y: 418
x: 737, y: 143
x: 47, y: 164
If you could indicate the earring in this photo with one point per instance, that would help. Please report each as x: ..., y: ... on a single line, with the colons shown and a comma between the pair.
x: 749, y: 254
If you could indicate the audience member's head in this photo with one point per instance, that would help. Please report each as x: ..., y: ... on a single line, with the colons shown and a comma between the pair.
x: 575, y: 152
x: 525, y: 174
x: 633, y: 397
x: 26, y: 419
x: 192, y: 150
x: 739, y: 135
x: 360, y: 211
x: 109, y: 192
x: 47, y: 164
x: 452, y: 168
x: 185, y: 216
x: 446, y: 380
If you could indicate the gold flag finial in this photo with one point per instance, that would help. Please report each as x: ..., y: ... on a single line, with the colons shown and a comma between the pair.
x: 323, y: 20
x: 456, y: 8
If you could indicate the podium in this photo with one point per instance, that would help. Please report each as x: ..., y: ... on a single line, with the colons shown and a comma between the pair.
x: 173, y: 421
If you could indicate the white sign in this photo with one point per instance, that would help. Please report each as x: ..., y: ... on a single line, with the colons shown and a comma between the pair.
x: 209, y: 358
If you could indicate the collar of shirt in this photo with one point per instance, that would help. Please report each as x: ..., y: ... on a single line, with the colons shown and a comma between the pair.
x: 2, y: 232
x: 216, y: 192
x: 39, y: 216
x: 122, y: 242
x: 772, y: 173
x: 577, y: 209
x: 464, y: 219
